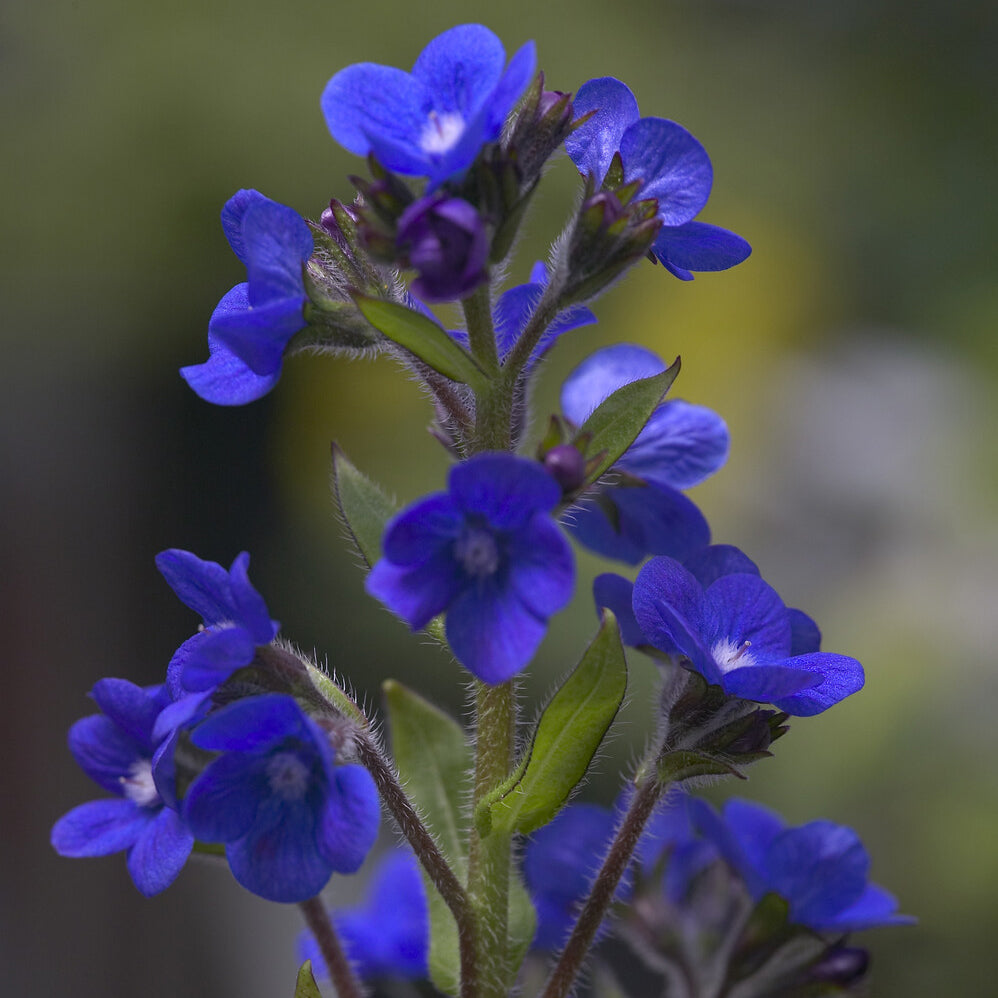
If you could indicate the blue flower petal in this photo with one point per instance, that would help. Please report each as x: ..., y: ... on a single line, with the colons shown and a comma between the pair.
x: 417, y: 533
x: 417, y: 593
x: 159, y: 852
x: 805, y: 637
x: 201, y: 585
x: 710, y: 563
x: 348, y: 825
x: 674, y: 166
x: 232, y: 218
x: 214, y: 656
x: 840, y: 676
x: 748, y: 609
x: 222, y: 804
x: 250, y: 607
x: 513, y: 310
x: 252, y: 724
x: 461, y: 68
x: 277, y: 242
x: 601, y: 374
x: 259, y: 335
x: 698, y: 246
x: 874, y: 908
x: 542, y: 568
x: 592, y: 145
x: 103, y: 751
x: 503, y: 488
x: 130, y: 707
x: 615, y: 592
x: 99, y: 828
x: 767, y: 683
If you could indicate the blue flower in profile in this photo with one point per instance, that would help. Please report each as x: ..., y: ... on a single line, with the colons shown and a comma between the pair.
x: 115, y: 749
x: 288, y: 815
x: 738, y: 634
x: 672, y: 165
x: 640, y: 510
x: 489, y: 554
x: 388, y: 935
x: 820, y: 869
x: 252, y: 325
x: 433, y: 121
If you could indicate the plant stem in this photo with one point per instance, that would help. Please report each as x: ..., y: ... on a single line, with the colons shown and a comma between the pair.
x: 646, y: 796
x: 490, y: 856
x: 481, y: 333
x: 541, y: 317
x: 340, y: 972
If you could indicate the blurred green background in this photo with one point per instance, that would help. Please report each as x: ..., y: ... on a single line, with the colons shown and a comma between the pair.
x: 853, y: 356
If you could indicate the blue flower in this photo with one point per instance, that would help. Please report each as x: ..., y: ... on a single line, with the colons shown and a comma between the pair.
x: 680, y: 446
x: 672, y: 165
x: 820, y: 869
x: 389, y: 934
x: 288, y: 815
x: 253, y: 323
x: 487, y: 552
x: 670, y: 846
x: 433, y: 121
x: 737, y: 633
x: 115, y: 749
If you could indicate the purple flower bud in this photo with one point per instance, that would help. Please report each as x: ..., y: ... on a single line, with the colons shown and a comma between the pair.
x: 444, y: 239
x: 843, y: 965
x: 331, y: 224
x: 567, y: 466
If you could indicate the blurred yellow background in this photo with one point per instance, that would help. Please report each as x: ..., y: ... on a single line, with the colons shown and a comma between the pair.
x: 853, y: 356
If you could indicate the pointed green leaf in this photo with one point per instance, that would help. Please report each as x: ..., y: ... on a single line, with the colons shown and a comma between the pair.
x: 363, y: 504
x: 424, y: 338
x: 566, y: 738
x: 434, y: 761
x: 305, y: 987
x: 620, y: 417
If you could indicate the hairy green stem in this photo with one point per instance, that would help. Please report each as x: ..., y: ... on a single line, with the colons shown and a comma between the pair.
x: 541, y: 317
x: 481, y: 333
x: 340, y: 972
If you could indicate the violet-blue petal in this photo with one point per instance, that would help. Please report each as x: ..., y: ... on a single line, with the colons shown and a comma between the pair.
x: 250, y: 606
x: 743, y: 836
x: 212, y: 659
x: 840, y: 676
x: 159, y: 852
x: 697, y: 246
x: 201, y: 585
x: 708, y: 564
x: 130, y: 707
x: 417, y: 593
x: 614, y: 592
x: 277, y: 243
x: 415, y: 534
x: 874, y: 908
x: 674, y: 166
x: 461, y: 67
x: 601, y: 374
x: 251, y: 724
x: 748, y: 609
x: 492, y: 633
x: 592, y: 145
x: 514, y: 308
x: 539, y: 273
x: 348, y: 825
x: 259, y: 335
x: 221, y: 805
x: 232, y: 218
x: 182, y: 711
x: 103, y: 751
x: 99, y: 828
x: 767, y: 683
x: 507, y: 490
x: 542, y: 568
x: 805, y: 637
x: 681, y: 445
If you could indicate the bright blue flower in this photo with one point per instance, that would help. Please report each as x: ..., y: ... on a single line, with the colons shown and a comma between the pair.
x: 737, y: 633
x: 680, y: 446
x: 289, y: 817
x: 253, y: 323
x: 820, y: 869
x: 670, y: 845
x: 488, y: 552
x: 560, y: 863
x: 235, y: 619
x: 115, y: 749
x: 673, y: 166
x: 433, y: 121
x: 388, y: 935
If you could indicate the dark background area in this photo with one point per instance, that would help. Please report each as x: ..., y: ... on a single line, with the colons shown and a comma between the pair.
x: 853, y: 356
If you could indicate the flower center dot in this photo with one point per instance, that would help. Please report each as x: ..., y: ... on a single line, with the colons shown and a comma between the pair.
x: 288, y: 776
x: 441, y: 132
x: 477, y: 552
x: 139, y: 786
x: 730, y: 656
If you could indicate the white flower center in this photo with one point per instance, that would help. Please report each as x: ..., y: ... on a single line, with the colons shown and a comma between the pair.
x: 477, y: 552
x: 288, y: 776
x: 139, y: 786
x: 441, y: 132
x: 730, y: 656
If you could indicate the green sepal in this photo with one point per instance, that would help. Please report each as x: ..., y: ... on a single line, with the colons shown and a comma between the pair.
x: 434, y: 760
x: 305, y: 986
x: 620, y: 417
x: 334, y: 696
x: 424, y: 338
x: 567, y: 736
x: 363, y: 504
x: 683, y: 764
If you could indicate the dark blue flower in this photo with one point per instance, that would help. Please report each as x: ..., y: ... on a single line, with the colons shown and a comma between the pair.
x: 253, y: 323
x: 444, y: 239
x: 433, y: 121
x: 488, y: 552
x: 644, y: 512
x: 115, y: 749
x: 737, y: 633
x: 670, y: 846
x: 820, y: 869
x: 672, y: 165
x: 388, y: 935
x: 289, y: 817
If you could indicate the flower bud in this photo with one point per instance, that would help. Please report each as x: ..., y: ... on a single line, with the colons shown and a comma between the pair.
x: 567, y: 466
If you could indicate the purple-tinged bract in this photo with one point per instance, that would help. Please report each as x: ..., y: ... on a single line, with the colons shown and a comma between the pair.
x: 288, y: 815
x: 672, y: 165
x: 433, y: 121
x: 115, y: 749
x: 253, y: 324
x: 489, y: 554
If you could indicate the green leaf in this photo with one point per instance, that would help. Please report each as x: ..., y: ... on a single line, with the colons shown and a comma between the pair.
x: 434, y: 761
x: 424, y: 338
x: 363, y: 504
x: 565, y: 740
x: 305, y: 987
x: 620, y: 417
